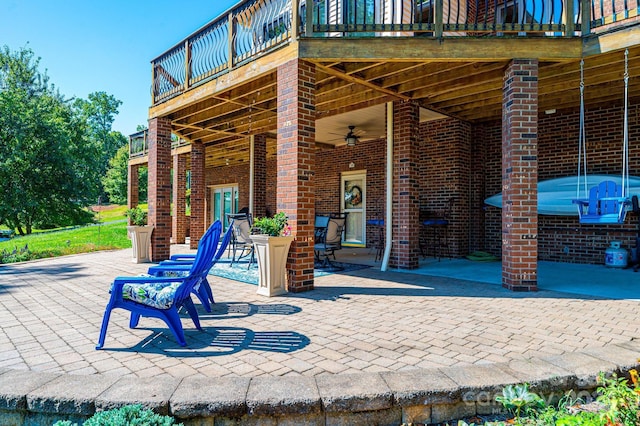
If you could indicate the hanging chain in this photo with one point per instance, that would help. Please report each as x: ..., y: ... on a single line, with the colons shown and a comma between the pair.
x: 582, y: 143
x: 625, y: 149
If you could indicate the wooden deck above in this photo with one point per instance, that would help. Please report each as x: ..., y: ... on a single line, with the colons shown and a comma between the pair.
x: 219, y: 92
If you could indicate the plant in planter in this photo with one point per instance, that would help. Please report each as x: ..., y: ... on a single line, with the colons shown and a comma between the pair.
x: 275, y: 226
x: 271, y: 240
x: 139, y: 233
x: 136, y: 216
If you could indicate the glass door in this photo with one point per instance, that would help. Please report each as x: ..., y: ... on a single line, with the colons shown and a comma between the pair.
x: 224, y: 200
x: 353, y: 187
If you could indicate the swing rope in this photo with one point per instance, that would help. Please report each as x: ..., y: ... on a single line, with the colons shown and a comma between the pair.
x: 582, y: 140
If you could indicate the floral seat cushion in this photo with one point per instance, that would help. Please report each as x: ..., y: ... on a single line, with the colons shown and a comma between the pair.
x: 157, y: 295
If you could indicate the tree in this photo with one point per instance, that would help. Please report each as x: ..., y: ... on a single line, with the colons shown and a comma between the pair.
x: 47, y: 163
x: 115, y: 180
x: 98, y: 113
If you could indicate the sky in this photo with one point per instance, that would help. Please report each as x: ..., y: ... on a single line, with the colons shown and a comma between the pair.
x: 90, y: 46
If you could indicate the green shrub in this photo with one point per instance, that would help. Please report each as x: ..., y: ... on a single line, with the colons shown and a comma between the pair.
x: 129, y: 415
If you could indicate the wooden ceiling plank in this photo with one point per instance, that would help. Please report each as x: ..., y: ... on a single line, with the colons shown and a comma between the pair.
x: 244, y: 74
x: 477, y: 74
x: 461, y: 85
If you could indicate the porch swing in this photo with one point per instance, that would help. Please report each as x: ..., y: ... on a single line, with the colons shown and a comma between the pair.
x: 608, y: 202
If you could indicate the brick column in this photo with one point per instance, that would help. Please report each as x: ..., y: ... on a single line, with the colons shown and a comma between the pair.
x: 296, y: 163
x: 406, y: 214
x: 198, y: 194
x: 179, y: 220
x: 259, y: 175
x: 133, y: 182
x: 520, y: 176
x: 159, y: 188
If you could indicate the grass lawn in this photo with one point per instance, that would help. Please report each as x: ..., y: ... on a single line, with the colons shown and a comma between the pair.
x: 111, y: 233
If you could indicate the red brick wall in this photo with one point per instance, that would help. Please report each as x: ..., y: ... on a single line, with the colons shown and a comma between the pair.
x: 366, y: 155
x: 562, y: 238
x: 479, y: 166
x: 231, y: 175
x: 444, y: 170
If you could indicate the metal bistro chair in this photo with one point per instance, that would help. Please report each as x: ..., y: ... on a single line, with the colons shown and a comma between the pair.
x: 241, y: 238
x: 435, y: 232
x: 328, y: 240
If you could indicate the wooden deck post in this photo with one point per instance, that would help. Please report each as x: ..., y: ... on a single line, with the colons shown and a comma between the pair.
x: 570, y: 20
x: 585, y: 9
x: 308, y: 28
x: 439, y: 18
x: 295, y: 19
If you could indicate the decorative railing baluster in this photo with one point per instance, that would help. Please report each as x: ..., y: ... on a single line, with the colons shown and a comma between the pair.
x: 255, y: 27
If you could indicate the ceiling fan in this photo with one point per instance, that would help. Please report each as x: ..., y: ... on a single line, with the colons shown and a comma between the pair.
x: 352, y: 137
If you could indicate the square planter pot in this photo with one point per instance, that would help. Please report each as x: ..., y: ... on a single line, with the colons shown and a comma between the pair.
x: 140, y: 242
x: 271, y: 253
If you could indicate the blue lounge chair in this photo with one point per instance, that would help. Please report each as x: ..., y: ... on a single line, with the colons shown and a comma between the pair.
x: 162, y: 297
x: 177, y: 267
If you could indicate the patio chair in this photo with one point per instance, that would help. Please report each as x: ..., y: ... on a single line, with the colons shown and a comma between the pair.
x: 605, y: 204
x: 328, y: 239
x: 162, y: 297
x: 241, y: 238
x: 434, y: 232
x: 180, y: 265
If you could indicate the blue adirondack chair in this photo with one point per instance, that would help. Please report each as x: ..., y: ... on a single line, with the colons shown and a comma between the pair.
x: 176, y: 267
x: 162, y: 297
x: 605, y: 205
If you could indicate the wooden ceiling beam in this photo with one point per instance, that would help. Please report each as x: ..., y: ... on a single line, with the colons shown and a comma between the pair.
x: 465, y: 49
x: 361, y: 82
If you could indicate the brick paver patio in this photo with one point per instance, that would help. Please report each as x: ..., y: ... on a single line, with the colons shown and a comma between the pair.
x: 364, y: 321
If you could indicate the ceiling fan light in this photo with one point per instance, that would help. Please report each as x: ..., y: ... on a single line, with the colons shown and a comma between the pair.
x: 351, y: 140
